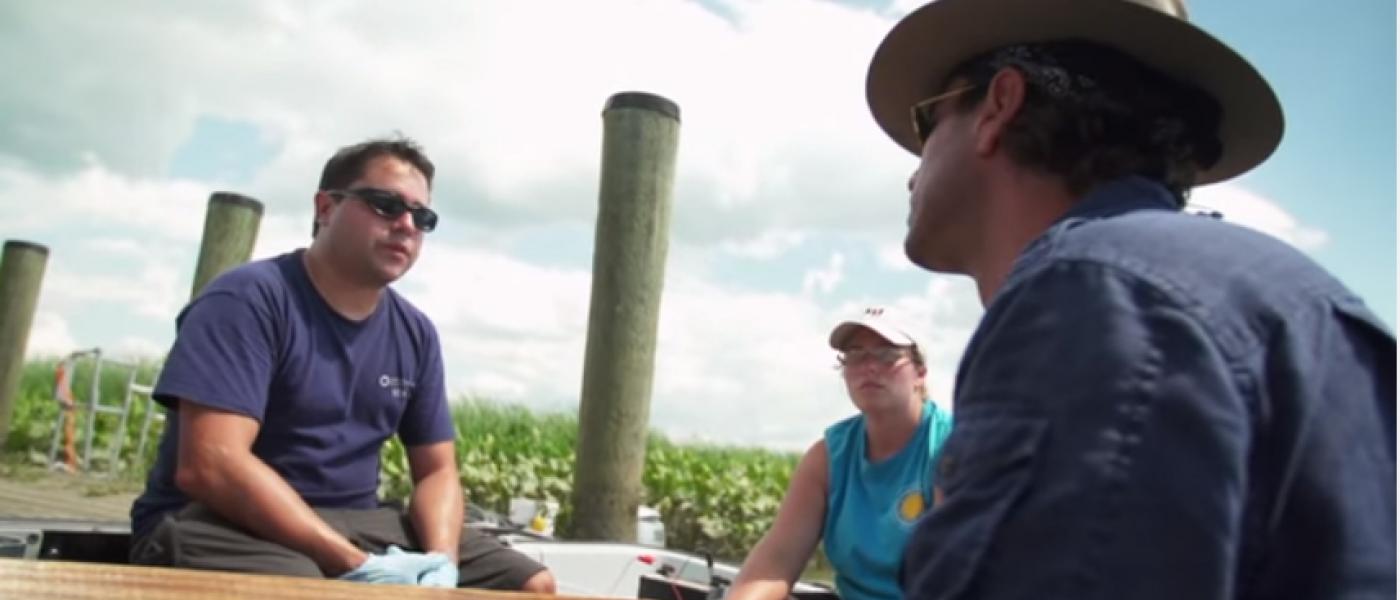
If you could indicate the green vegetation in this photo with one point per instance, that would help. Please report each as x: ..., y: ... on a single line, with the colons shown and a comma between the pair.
x: 712, y: 499
x: 35, y: 414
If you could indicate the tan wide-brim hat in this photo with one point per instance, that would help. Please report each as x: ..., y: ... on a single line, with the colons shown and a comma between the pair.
x: 917, y: 56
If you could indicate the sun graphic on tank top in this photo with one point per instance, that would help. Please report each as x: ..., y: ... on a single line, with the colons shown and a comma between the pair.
x: 911, y: 505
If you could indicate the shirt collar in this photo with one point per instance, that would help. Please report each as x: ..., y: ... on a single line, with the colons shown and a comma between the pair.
x: 1120, y: 196
x: 1117, y: 197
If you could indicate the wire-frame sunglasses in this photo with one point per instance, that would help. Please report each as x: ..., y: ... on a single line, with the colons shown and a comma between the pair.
x: 921, y: 114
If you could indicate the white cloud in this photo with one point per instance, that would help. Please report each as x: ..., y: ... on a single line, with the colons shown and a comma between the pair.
x: 152, y: 289
x: 49, y: 335
x: 507, y: 102
x: 495, y: 291
x: 1241, y: 206
x: 731, y: 364
x: 496, y: 387
x: 95, y: 197
x: 905, y: 6
x: 825, y: 279
x: 137, y: 348
x: 777, y: 151
x: 765, y: 246
x: 510, y: 329
x: 891, y: 256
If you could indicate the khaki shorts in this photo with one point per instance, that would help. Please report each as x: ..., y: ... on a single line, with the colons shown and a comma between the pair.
x: 197, y: 538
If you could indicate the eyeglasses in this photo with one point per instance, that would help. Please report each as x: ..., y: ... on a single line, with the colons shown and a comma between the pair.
x: 921, y: 115
x: 885, y: 357
x: 391, y: 205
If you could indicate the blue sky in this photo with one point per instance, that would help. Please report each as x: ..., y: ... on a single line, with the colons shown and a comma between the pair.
x: 1333, y: 67
x: 117, y: 124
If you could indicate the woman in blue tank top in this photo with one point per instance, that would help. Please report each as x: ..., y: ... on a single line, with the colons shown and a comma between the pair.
x: 860, y: 488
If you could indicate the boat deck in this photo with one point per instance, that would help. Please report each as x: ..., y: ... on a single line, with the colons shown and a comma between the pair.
x: 38, y: 495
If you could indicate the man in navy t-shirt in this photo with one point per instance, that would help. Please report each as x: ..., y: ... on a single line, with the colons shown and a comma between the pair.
x: 286, y: 378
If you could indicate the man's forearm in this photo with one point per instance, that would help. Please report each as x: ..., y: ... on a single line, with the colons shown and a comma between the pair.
x: 437, y: 511
x: 247, y: 492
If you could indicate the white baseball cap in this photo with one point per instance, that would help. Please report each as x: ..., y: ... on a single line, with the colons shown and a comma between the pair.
x: 875, y: 320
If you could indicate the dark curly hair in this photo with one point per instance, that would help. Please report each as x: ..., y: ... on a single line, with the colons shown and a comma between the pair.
x: 1093, y: 114
x: 348, y: 163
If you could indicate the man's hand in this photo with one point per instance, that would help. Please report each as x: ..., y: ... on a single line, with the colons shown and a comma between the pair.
x: 397, y: 566
x: 444, y: 575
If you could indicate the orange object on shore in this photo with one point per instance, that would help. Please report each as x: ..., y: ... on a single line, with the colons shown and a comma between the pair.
x: 63, y: 392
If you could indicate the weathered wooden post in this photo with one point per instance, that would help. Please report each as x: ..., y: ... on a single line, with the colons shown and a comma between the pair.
x: 230, y: 230
x: 640, y: 132
x: 21, y: 275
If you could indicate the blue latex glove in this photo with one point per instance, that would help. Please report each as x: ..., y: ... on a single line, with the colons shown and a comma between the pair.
x: 397, y: 566
x: 444, y: 575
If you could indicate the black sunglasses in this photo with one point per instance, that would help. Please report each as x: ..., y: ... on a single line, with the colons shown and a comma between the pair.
x: 391, y: 205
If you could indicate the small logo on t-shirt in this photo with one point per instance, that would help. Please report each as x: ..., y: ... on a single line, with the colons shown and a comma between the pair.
x: 911, y: 505
x: 398, y: 387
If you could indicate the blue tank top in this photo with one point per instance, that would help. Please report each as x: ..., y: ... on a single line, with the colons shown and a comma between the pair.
x: 871, y: 507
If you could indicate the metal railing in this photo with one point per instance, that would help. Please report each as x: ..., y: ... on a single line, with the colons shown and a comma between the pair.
x: 92, y: 408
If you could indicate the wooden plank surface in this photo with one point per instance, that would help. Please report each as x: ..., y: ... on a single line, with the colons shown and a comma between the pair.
x: 60, y: 496
x: 80, y: 581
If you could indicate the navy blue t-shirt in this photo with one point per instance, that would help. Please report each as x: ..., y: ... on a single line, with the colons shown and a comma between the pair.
x: 260, y: 341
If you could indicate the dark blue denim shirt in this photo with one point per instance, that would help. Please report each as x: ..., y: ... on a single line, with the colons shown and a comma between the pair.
x: 1163, y: 405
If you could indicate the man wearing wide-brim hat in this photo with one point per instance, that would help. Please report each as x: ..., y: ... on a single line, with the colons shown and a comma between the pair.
x: 1156, y: 404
